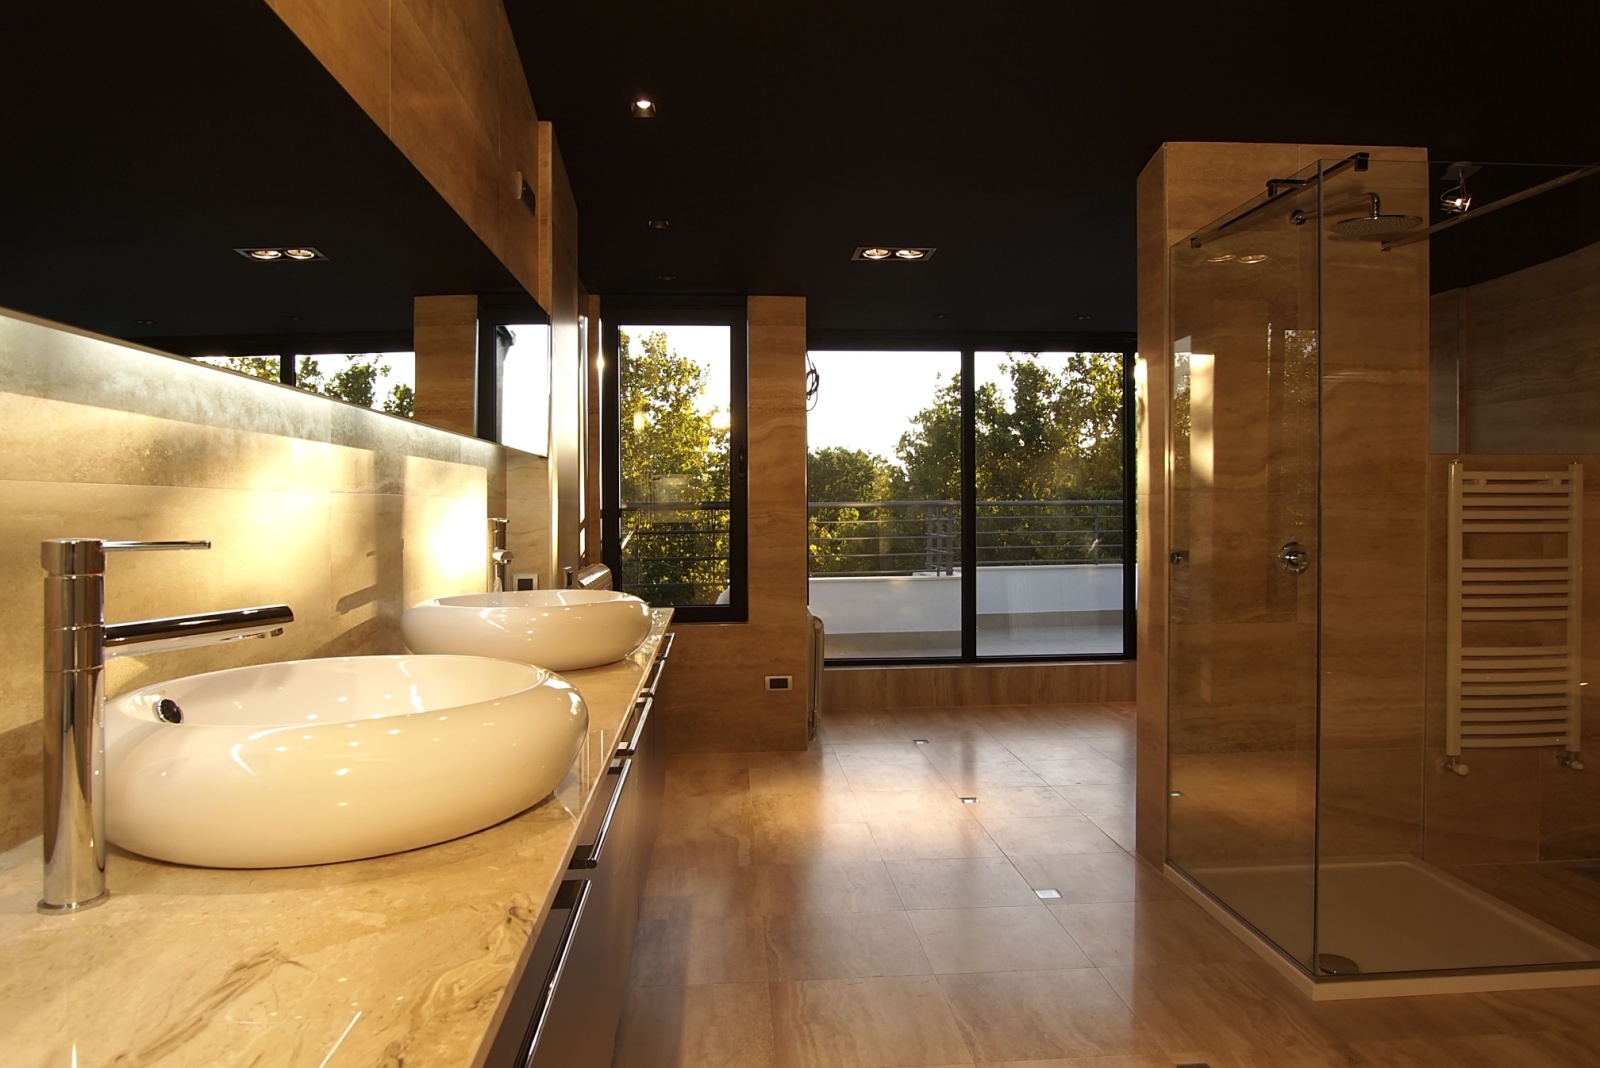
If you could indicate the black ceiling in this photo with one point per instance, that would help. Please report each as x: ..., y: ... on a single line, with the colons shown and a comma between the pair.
x: 139, y: 144
x: 143, y: 143
x: 1008, y: 135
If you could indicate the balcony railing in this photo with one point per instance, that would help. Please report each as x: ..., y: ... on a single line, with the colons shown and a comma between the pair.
x: 677, y: 552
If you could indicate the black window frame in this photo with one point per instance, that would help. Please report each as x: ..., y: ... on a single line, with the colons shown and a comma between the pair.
x: 616, y: 312
x: 495, y: 313
x: 969, y: 344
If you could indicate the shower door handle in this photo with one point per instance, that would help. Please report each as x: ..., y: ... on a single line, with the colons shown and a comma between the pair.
x: 1294, y: 559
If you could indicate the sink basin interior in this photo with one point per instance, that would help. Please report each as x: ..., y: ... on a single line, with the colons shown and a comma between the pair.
x: 317, y: 761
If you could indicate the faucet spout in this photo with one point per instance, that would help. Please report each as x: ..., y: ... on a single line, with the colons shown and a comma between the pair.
x: 77, y: 641
x: 187, y: 632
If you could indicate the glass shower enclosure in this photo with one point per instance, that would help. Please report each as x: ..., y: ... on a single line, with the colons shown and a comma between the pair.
x: 1309, y: 792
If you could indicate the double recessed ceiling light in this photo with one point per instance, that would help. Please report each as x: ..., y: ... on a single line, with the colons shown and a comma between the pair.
x: 893, y: 252
x: 273, y: 255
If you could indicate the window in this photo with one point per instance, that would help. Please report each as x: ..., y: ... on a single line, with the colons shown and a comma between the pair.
x: 972, y: 504
x: 674, y: 487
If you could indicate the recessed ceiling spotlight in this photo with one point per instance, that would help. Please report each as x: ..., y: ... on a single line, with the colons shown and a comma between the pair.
x: 657, y: 224
x: 271, y: 255
x: 902, y: 253
x: 666, y: 278
x: 1083, y: 318
x: 644, y: 107
x: 145, y: 322
x: 1254, y: 257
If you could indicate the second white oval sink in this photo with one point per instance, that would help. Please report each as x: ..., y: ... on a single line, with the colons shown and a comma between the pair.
x: 316, y: 761
x: 563, y: 630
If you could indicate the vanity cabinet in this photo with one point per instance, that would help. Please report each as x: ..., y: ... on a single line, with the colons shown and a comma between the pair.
x: 565, y: 1010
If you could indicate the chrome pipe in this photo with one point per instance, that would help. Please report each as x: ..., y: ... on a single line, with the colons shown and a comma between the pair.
x: 76, y: 643
x: 499, y: 556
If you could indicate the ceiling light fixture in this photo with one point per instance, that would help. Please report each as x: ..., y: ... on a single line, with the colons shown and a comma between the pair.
x: 657, y: 224
x: 903, y: 253
x: 301, y: 253
x: 1456, y: 200
x: 644, y: 107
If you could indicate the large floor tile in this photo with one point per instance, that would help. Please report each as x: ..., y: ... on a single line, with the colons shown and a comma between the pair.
x: 980, y: 882
x: 1099, y: 799
x: 1149, y: 933
x: 978, y: 778
x: 714, y: 891
x: 1020, y: 1016
x: 1083, y: 878
x: 843, y: 945
x: 723, y: 1026
x: 941, y: 803
x: 906, y: 752
x: 1006, y: 802
x: 825, y: 886
x: 1094, y: 770
x: 1226, y: 1005
x: 805, y: 807
x: 1005, y: 939
x: 790, y: 843
x: 684, y: 951
x: 893, y: 777
x: 1042, y: 836
x: 865, y: 1023
x: 932, y: 839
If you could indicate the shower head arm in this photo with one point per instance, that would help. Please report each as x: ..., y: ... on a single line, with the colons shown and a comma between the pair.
x: 1299, y: 216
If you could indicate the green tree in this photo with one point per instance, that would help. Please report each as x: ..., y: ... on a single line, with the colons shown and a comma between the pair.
x: 1047, y: 431
x: 256, y: 366
x: 846, y: 537
x: 355, y: 382
x: 675, y: 473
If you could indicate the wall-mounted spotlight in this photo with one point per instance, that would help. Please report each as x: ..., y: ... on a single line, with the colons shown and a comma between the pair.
x: 905, y: 254
x: 643, y: 107
x: 301, y: 253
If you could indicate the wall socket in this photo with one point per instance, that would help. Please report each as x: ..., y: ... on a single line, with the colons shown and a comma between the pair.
x: 525, y: 580
x: 780, y: 682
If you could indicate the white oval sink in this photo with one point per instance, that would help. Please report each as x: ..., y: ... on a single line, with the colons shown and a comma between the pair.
x: 563, y: 630
x: 316, y: 761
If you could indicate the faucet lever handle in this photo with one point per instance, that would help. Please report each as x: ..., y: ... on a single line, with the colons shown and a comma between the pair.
x: 141, y: 546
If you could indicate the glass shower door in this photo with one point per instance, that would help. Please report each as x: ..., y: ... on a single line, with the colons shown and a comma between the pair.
x: 1243, y: 622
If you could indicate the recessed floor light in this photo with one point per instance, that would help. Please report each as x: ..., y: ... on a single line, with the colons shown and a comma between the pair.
x: 969, y: 800
x: 1176, y: 793
x: 919, y: 741
x: 1048, y: 895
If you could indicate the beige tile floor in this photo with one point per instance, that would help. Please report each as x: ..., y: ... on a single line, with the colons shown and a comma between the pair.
x: 843, y: 908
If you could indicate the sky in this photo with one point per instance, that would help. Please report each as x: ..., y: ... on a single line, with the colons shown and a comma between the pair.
x: 865, y: 400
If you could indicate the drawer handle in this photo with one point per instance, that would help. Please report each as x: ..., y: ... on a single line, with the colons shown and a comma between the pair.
x: 593, y: 859
x: 631, y: 746
x: 655, y: 678
x: 574, y: 895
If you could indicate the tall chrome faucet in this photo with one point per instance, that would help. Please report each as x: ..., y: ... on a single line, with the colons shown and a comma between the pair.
x: 499, y: 556
x: 77, y: 641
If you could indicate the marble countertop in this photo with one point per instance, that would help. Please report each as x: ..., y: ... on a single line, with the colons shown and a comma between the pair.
x: 399, y: 960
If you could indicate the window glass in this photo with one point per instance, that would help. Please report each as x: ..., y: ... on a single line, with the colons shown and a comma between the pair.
x: 676, y: 506
x: 883, y: 469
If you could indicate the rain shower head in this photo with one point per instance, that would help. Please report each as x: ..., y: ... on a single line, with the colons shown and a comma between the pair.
x: 1373, y: 224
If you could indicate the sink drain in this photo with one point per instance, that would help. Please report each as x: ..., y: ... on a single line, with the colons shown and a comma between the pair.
x: 1333, y: 964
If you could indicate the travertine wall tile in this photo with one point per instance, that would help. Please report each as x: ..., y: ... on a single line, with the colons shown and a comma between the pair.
x: 346, y: 515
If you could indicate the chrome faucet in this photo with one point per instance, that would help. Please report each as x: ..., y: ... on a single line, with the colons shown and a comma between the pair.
x: 77, y: 641
x: 499, y: 556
